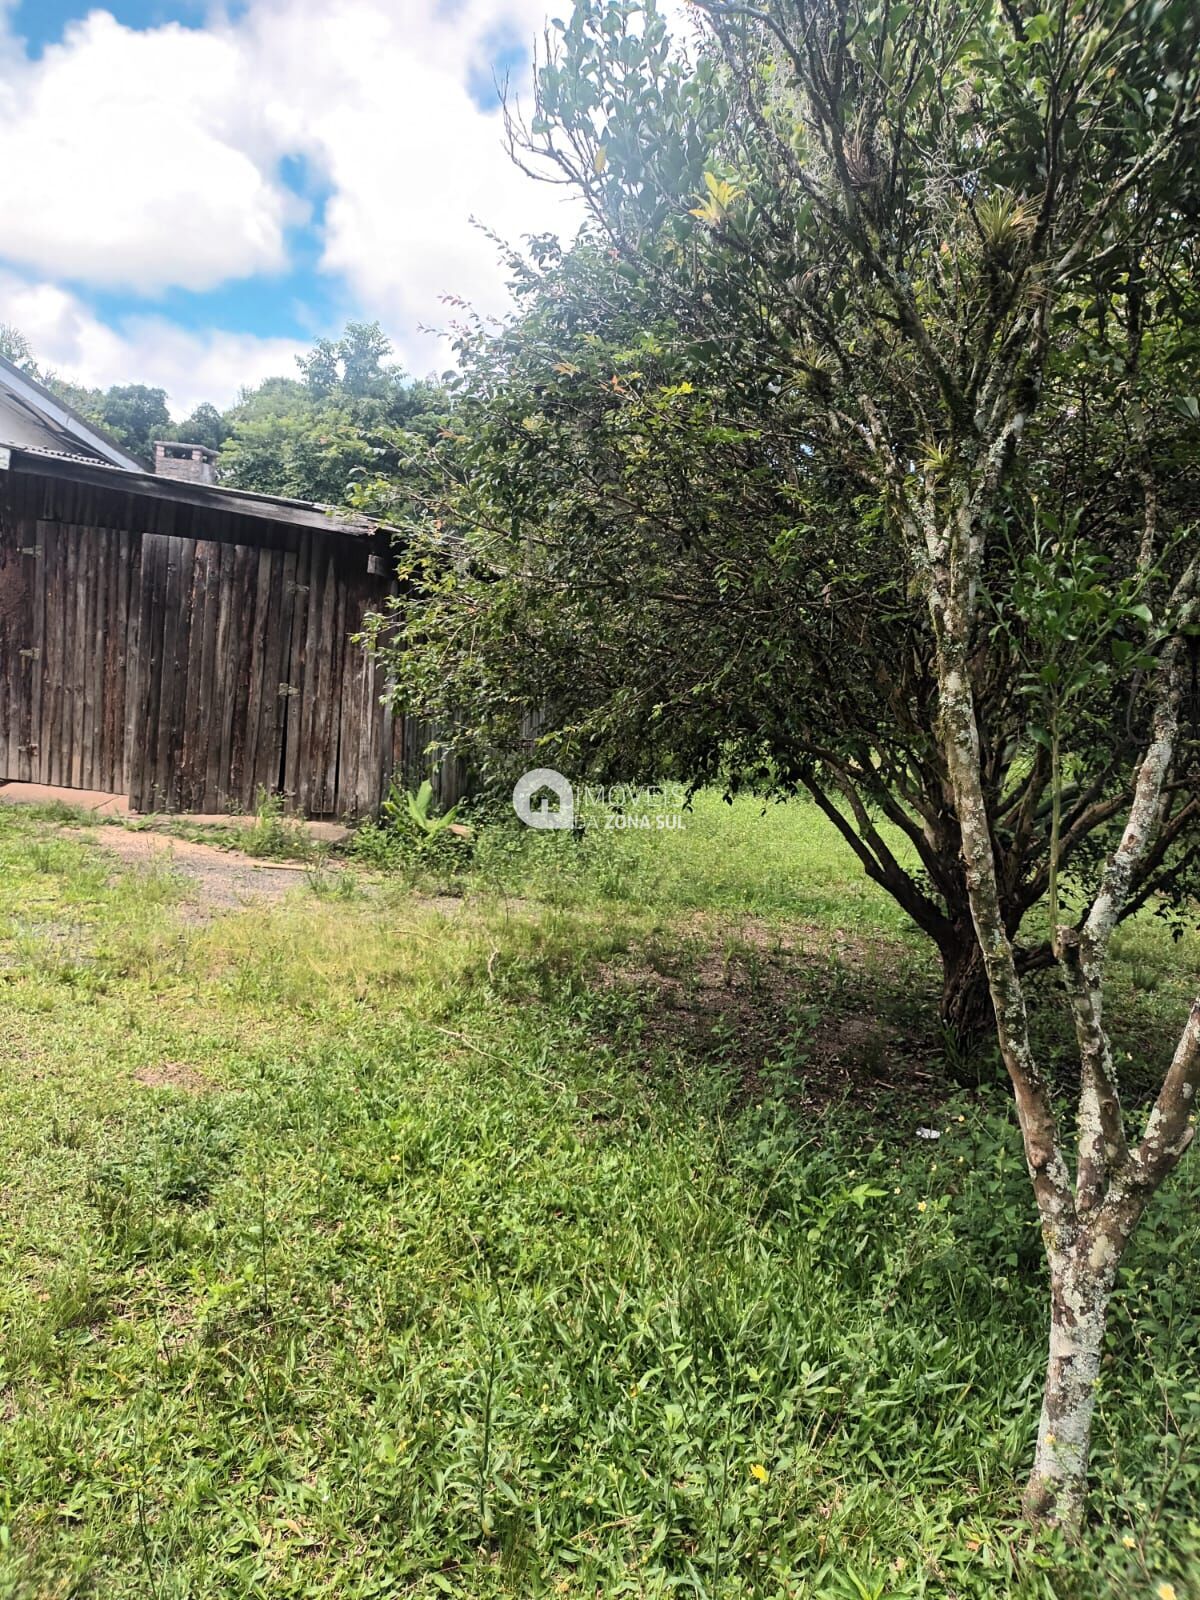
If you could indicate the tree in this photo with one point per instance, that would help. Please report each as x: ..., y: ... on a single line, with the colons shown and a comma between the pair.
x: 205, y: 426
x: 352, y: 365
x: 347, y: 417
x: 891, y: 421
x: 15, y: 347
x: 135, y: 415
x: 620, y: 446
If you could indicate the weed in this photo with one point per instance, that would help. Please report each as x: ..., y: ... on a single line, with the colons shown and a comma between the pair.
x: 467, y: 1275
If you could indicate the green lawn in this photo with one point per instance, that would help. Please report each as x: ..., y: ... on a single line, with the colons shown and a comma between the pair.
x: 557, y: 1239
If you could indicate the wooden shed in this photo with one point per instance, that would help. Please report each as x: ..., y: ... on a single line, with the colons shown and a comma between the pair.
x: 190, y: 646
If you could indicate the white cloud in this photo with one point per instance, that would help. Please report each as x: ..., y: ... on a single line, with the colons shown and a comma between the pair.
x: 128, y: 158
x: 149, y: 159
x: 191, y: 366
x: 381, y: 106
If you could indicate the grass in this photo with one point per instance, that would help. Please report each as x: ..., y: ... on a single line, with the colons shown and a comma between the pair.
x: 269, y: 833
x: 377, y: 1245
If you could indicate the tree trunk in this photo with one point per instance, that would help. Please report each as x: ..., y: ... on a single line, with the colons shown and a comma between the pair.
x: 1079, y: 1298
x: 966, y: 1006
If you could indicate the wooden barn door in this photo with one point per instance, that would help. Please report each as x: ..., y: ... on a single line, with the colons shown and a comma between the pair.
x: 248, y: 682
x: 68, y: 600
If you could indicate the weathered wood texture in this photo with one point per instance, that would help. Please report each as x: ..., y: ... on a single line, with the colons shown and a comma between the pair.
x: 64, y: 652
x: 195, y: 669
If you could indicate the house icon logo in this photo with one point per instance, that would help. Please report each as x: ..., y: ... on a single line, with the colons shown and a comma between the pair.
x: 544, y: 799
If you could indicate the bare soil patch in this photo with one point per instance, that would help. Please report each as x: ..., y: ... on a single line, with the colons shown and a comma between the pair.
x: 215, y: 880
x: 174, y: 1075
x: 822, y: 1017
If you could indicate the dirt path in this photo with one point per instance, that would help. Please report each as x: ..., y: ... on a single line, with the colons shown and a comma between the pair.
x: 217, y: 880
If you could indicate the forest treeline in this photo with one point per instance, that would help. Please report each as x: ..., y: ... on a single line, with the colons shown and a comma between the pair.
x: 348, y: 413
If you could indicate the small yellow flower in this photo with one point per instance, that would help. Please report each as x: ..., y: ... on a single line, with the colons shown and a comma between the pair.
x: 1129, y: 1542
x: 759, y: 1473
x: 1165, y: 1591
x: 921, y: 1205
x: 1051, y: 1437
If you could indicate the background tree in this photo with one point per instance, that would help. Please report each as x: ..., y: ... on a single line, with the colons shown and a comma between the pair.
x: 350, y: 414
x: 702, y: 580
x: 205, y: 425
x: 134, y: 414
x: 15, y: 347
x: 869, y: 485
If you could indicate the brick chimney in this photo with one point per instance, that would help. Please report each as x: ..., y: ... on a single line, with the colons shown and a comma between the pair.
x: 194, y: 463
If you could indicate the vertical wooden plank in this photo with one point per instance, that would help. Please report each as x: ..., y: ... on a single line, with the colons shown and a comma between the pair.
x: 275, y: 698
x: 190, y: 758
x: 22, y: 672
x: 11, y: 609
x: 208, y: 692
x: 318, y: 667
x: 73, y: 657
x: 80, y: 764
x: 37, y: 642
x: 8, y: 624
x: 245, y: 582
x: 378, y: 728
x: 296, y: 672
x: 218, y: 682
x: 102, y: 664
x: 137, y: 671
x: 143, y: 735
x: 66, y: 591
x: 323, y: 604
x: 170, y: 602
x: 346, y: 796
x: 324, y: 755
x: 138, y: 696
x: 96, y: 565
x: 310, y: 710
x: 364, y: 777
x: 176, y: 641
x: 61, y: 731
x: 115, y: 661
x: 51, y: 653
x: 254, y: 701
x: 81, y: 649
x: 117, y: 665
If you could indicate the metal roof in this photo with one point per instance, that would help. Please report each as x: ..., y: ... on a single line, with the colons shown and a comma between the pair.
x: 181, y: 491
x: 62, y: 420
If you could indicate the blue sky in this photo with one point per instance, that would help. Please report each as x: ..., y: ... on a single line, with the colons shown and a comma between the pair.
x: 41, y: 22
x: 193, y: 193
